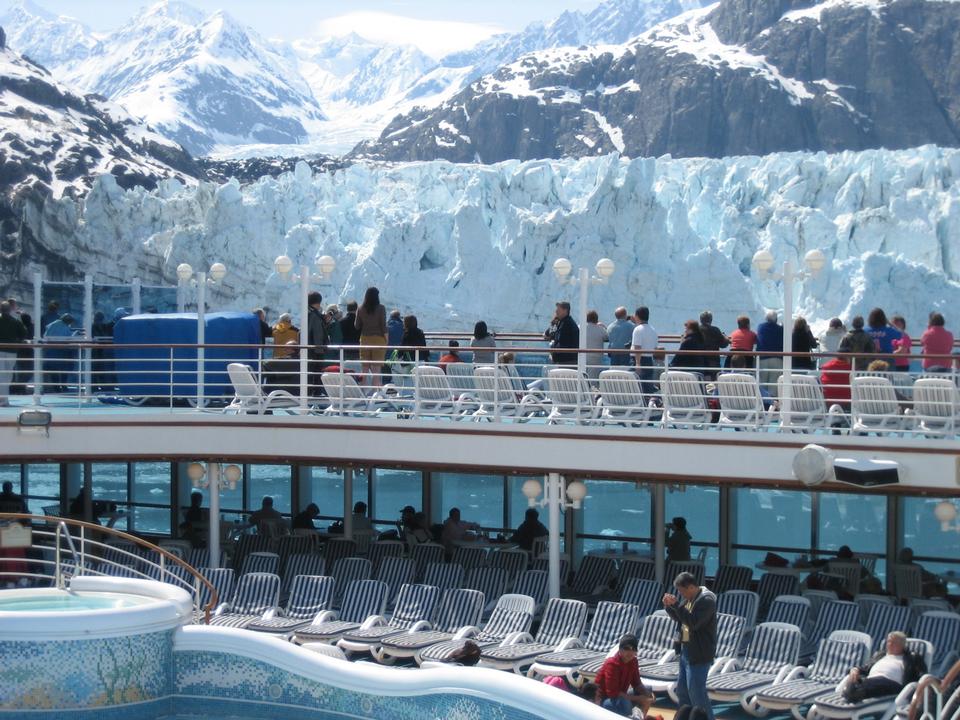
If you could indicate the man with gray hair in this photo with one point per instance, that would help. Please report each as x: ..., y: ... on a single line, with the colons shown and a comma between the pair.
x: 696, y: 616
x: 886, y: 673
x: 770, y: 339
x: 619, y: 336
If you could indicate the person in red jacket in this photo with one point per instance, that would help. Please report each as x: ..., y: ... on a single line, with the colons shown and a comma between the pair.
x: 835, y: 379
x: 619, y: 675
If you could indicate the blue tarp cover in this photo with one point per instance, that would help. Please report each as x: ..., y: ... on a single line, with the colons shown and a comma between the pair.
x: 152, y: 371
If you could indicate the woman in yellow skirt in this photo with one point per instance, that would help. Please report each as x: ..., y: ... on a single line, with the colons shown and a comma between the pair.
x: 371, y: 323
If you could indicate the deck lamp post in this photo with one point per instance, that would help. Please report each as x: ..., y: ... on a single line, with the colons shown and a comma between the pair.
x: 284, y: 266
x: 185, y: 276
x: 563, y: 270
x: 763, y: 263
x: 553, y: 500
x: 215, y: 477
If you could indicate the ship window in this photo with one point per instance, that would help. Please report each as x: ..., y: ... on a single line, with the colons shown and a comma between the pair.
x: 110, y: 482
x: 392, y: 491
x: 326, y: 489
x: 151, y: 497
x: 479, y: 497
x: 858, y: 521
x: 769, y: 521
x: 42, y: 483
x: 272, y: 480
x: 935, y: 546
x: 616, y: 512
x: 700, y: 505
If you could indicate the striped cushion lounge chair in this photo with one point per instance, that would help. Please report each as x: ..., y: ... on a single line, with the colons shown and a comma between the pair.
x: 732, y: 577
x: 639, y: 568
x: 772, y: 585
x: 592, y: 577
x: 543, y: 563
x: 460, y: 609
x: 535, y: 584
x: 301, y: 564
x: 345, y: 571
x: 835, y: 656
x: 646, y: 595
x: 790, y: 609
x: 470, y: 557
x: 694, y: 567
x: 742, y: 603
x: 425, y: 554
x: 256, y: 594
x: 610, y: 622
x: 336, y: 548
x: 942, y: 630
x: 443, y: 575
x: 511, y: 617
x: 362, y: 599
x: 833, y: 615
x: 513, y: 561
x: 884, y: 619
x: 396, y: 572
x: 818, y: 598
x: 833, y: 704
x: 414, y: 608
x: 383, y: 549
x: 492, y: 582
x: 562, y: 624
x: 261, y: 562
x: 654, y: 643
x: 772, y: 653
x: 310, y: 595
x: 663, y: 676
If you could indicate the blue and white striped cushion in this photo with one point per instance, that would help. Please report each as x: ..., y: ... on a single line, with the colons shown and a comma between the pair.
x: 337, y: 549
x: 301, y: 564
x: 594, y: 573
x: 256, y: 593
x: 503, y: 622
x: 443, y: 575
x: 534, y: 583
x: 234, y: 620
x: 570, y: 658
x: 790, y: 609
x: 396, y: 572
x: 732, y: 577
x: 590, y: 668
x: 458, y: 607
x: 773, y: 585
x: 424, y: 555
x: 884, y: 619
x: 742, y: 603
x: 801, y: 691
x: 610, y: 622
x: 261, y: 562
x: 222, y: 580
x: 636, y: 568
x: 513, y: 561
x: 520, y: 651
x: 739, y: 680
x: 656, y: 636
x: 414, y: 604
x: 543, y: 564
x: 443, y: 651
x: 325, y: 630
x: 310, y: 594
x: 346, y: 571
x: 414, y: 641
x: 562, y: 619
x: 942, y: 630
x: 675, y: 568
x: 834, y: 615
x: 382, y: 550
x: 470, y: 557
x: 646, y: 595
x: 362, y: 599
x: 773, y: 645
x: 278, y: 625
x: 490, y: 581
x: 834, y: 660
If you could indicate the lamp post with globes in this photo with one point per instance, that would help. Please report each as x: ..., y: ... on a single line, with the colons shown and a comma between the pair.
x: 284, y: 267
x: 563, y: 268
x: 185, y: 276
x: 763, y: 262
x: 215, y: 477
x: 557, y: 487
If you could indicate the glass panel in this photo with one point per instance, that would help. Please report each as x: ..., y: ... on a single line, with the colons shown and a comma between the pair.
x: 394, y: 489
x: 326, y: 489
x: 518, y: 505
x: 616, y: 509
x: 109, y: 481
x: 774, y: 520
x: 479, y: 497
x: 151, y: 484
x: 11, y: 474
x: 930, y: 539
x: 272, y: 480
x: 700, y: 505
x: 232, y: 499
x: 857, y: 521
x: 43, y: 481
x: 151, y: 520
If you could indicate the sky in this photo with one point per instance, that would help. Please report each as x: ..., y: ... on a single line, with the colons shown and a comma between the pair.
x: 436, y: 26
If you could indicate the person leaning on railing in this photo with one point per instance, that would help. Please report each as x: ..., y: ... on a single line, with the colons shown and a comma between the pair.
x: 936, y: 340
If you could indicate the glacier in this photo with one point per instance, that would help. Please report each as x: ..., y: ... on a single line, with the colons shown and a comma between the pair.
x: 458, y: 243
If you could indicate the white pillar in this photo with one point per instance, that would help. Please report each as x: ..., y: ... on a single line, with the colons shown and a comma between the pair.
x: 201, y: 335
x: 785, y: 401
x: 213, y: 475
x: 181, y: 296
x: 659, y: 528
x: 135, y: 291
x: 584, y: 282
x: 86, y: 356
x: 348, y: 503
x: 552, y: 495
x: 305, y: 337
x: 37, y: 352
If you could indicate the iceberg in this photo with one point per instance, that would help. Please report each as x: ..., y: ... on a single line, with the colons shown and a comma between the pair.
x: 454, y: 244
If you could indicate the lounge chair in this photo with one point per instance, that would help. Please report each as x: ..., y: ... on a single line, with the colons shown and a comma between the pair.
x: 461, y: 377
x: 380, y: 549
x: 562, y: 624
x: 336, y: 548
x: 884, y: 619
x: 942, y: 630
x: 741, y: 406
x: 662, y: 676
x: 301, y: 564
x: 445, y: 576
x: 414, y: 608
x: 492, y: 582
x: 511, y: 617
x: 256, y: 594
x: 425, y: 554
x: 222, y: 579
x: 513, y: 562
x: 309, y: 596
x: 936, y: 407
x: 459, y: 610
x: 772, y: 653
x: 808, y: 408
x: 570, y: 398
x: 543, y: 563
x: 694, y: 567
x: 742, y: 603
x: 874, y: 406
x: 907, y: 581
x: 610, y: 622
x: 867, y: 602
x: 818, y: 598
x: 535, y: 584
x: 470, y: 556
x: 773, y: 585
x: 396, y: 572
x: 639, y: 568
x: 833, y: 615
x: 790, y: 609
x: 248, y: 397
x: 433, y: 396
x: 684, y: 404
x: 732, y: 577
x: 499, y: 397
x: 835, y: 656
x: 621, y: 399
x: 592, y: 577
x: 654, y: 644
x: 361, y: 600
x: 261, y: 562
x: 345, y: 571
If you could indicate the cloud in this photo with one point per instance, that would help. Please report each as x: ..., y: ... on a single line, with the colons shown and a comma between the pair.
x: 434, y: 37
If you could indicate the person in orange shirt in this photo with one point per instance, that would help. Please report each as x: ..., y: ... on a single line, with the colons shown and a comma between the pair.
x: 618, y: 676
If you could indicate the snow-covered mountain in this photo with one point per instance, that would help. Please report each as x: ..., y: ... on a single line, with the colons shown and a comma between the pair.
x: 458, y: 243
x: 741, y: 76
x: 54, y: 41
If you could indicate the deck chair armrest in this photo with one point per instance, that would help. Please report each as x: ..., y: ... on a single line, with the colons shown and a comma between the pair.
x: 798, y: 672
x: 420, y: 626
x: 569, y: 643
x: 905, y: 696
x: 222, y: 608
x: 325, y: 616
x: 373, y: 621
x: 515, y: 638
x: 668, y: 656
x: 730, y: 666
x: 272, y: 613
x: 467, y: 631
x: 277, y: 394
x: 717, y: 666
x: 782, y: 674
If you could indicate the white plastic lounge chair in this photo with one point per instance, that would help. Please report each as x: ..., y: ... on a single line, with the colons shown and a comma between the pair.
x: 511, y: 617
x: 562, y: 624
x: 654, y: 644
x: 790, y: 609
x: 610, y: 622
x: 347, y: 398
x: 645, y: 595
x: 362, y: 599
x: 835, y: 656
x: 415, y: 606
x: 249, y: 398
x: 461, y: 377
x: 772, y: 653
x: 535, y: 584
x: 433, y: 396
x: 459, y: 610
x: 808, y: 407
x: 741, y: 603
x: 850, y: 571
x: 741, y: 406
x: 621, y: 399
x: 309, y: 595
x: 424, y: 555
x: 874, y: 406
x: 833, y: 615
x: 498, y: 396
x: 684, y: 404
x: 936, y: 407
x: 570, y: 397
x: 256, y: 594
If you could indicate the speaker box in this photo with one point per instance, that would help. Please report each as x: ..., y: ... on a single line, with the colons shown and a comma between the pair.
x: 866, y: 473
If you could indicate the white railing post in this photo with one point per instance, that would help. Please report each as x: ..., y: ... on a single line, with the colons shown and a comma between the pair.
x: 135, y: 292
x: 201, y: 336
x: 213, y: 468
x: 787, y: 371
x: 37, y: 351
x: 85, y: 386
x: 348, y: 503
x: 304, y: 336
x: 553, y: 507
x: 584, y: 282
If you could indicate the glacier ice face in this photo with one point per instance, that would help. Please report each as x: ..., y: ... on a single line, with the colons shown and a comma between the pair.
x: 458, y: 243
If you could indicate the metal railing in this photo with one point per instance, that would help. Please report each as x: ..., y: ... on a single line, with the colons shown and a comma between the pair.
x: 702, y: 390
x: 62, y: 548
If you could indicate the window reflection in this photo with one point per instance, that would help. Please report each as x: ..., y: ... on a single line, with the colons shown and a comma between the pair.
x: 479, y: 497
x: 392, y: 491
x: 272, y: 480
x: 613, y: 510
x: 770, y: 520
x: 700, y: 505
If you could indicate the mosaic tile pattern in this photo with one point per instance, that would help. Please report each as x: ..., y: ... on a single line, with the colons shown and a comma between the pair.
x: 235, y: 679
x: 78, y: 674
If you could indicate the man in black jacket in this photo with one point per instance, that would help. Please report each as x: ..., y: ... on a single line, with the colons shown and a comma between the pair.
x: 696, y: 616
x: 886, y: 673
x: 317, y: 341
x: 563, y: 333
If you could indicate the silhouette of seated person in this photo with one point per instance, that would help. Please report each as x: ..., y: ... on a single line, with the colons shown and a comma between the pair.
x: 529, y: 530
x: 456, y: 530
x: 10, y: 502
x: 77, y: 509
x: 304, y: 520
x: 360, y: 519
x: 196, y: 520
x: 932, y: 586
x: 266, y: 516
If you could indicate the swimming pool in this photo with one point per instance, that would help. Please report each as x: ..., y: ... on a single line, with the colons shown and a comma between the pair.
x: 32, y: 601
